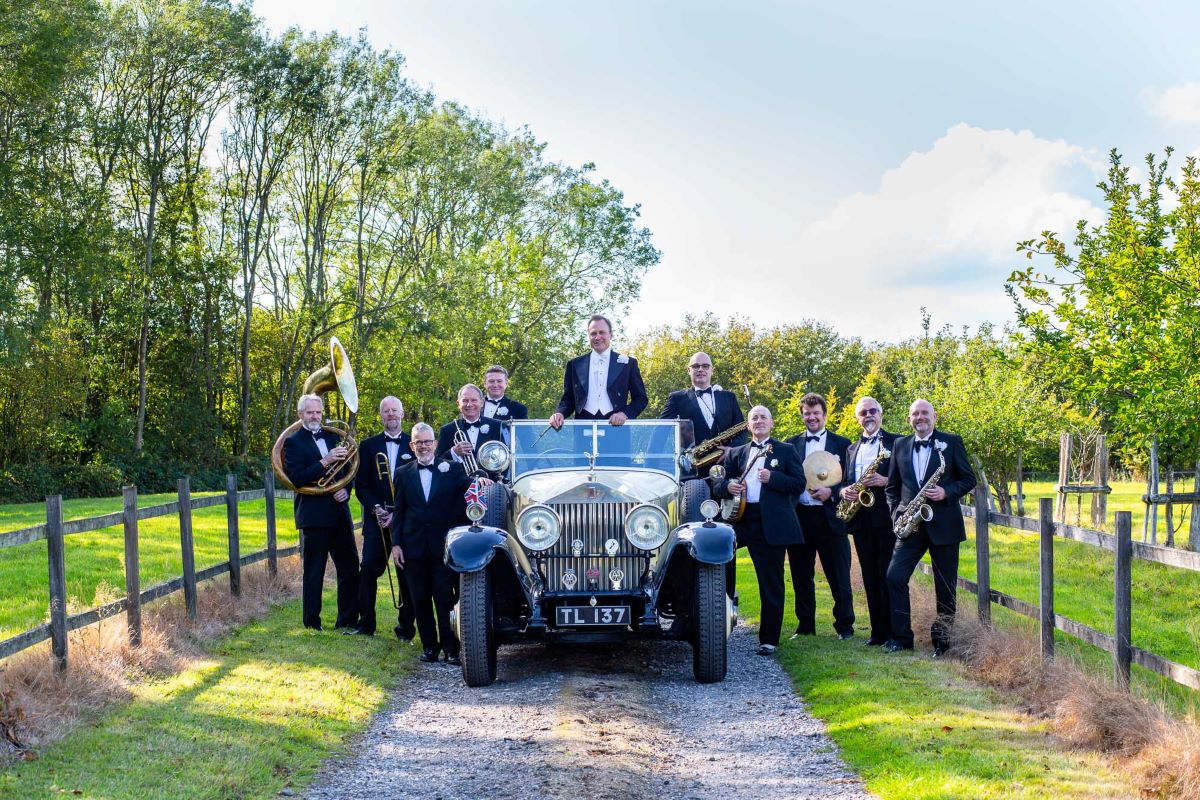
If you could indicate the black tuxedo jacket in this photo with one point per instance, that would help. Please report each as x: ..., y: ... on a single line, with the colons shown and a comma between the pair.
x: 958, y: 480
x: 370, y: 487
x: 684, y: 404
x: 626, y: 391
x: 446, y: 435
x: 419, y: 526
x: 509, y: 409
x: 777, y: 502
x: 302, y: 463
x: 877, y: 516
x: 833, y: 444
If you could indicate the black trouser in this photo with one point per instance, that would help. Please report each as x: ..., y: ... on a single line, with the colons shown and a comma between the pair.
x: 834, y: 550
x: 431, y: 584
x: 874, y: 545
x: 945, y: 581
x: 768, y: 567
x: 319, y: 545
x: 374, y: 562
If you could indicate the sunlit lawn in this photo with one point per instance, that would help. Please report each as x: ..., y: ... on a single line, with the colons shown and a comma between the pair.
x: 913, y: 727
x: 95, y: 561
x: 1125, y: 496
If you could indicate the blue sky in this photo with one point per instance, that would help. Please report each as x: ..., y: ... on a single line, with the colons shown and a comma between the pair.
x: 841, y: 162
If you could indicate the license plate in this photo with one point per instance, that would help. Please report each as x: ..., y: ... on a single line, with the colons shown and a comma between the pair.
x: 593, y: 615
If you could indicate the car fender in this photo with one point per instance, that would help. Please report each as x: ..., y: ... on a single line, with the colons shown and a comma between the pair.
x: 472, y: 548
x: 706, y: 542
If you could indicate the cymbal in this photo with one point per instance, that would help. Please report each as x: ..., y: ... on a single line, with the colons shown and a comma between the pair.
x: 822, y: 469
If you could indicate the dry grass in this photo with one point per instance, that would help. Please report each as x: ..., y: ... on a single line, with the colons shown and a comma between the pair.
x: 1161, y: 752
x: 38, y: 704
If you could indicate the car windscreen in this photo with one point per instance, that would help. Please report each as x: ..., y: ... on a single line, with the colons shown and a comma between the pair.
x: 638, y: 444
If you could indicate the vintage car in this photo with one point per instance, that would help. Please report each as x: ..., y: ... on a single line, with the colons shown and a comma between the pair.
x: 595, y: 533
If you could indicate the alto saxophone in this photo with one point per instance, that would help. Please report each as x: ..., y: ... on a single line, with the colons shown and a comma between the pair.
x: 917, y: 510
x: 863, y: 497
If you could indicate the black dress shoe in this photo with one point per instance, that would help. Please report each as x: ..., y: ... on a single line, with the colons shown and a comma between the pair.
x: 316, y: 627
x: 357, y: 632
x: 403, y: 635
x: 873, y: 642
x: 845, y: 636
x: 892, y: 646
x: 799, y: 632
x: 428, y: 656
x: 452, y: 658
x: 766, y: 649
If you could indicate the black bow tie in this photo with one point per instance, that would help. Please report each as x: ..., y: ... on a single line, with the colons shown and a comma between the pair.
x: 470, y: 426
x: 921, y: 443
x: 704, y: 391
x: 394, y: 439
x: 758, y: 445
x: 869, y: 439
x: 421, y: 466
x: 318, y: 435
x: 816, y: 438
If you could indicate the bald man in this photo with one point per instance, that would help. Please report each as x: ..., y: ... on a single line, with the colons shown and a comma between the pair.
x: 710, y: 408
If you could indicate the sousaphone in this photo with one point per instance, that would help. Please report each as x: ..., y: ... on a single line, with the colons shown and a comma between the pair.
x: 337, y: 374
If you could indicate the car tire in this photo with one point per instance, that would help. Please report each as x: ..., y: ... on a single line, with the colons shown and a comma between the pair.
x: 695, y: 492
x: 496, y: 499
x: 477, y: 628
x: 710, y: 655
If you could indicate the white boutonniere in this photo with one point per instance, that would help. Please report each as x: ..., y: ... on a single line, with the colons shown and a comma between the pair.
x: 406, y: 457
x: 939, y: 445
x: 774, y: 463
x: 716, y: 387
x: 484, y: 428
x: 502, y: 411
x: 622, y: 359
x: 443, y: 467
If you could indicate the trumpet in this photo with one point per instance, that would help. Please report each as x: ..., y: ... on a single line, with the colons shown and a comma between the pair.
x: 469, y: 462
x: 865, y: 497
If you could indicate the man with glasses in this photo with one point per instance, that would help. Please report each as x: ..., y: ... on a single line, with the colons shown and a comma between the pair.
x: 429, y: 502
x: 710, y: 408
x: 871, y: 527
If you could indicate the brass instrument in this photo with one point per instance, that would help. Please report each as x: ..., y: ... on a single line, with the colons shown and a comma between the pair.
x: 469, y: 462
x: 864, y: 497
x: 337, y: 374
x: 732, y: 508
x: 383, y: 467
x: 711, y: 450
x: 822, y: 469
x: 909, y: 516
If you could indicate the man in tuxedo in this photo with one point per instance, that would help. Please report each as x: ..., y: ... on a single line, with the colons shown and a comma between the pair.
x: 710, y: 408
x: 824, y: 533
x: 497, y: 404
x: 914, y: 460
x: 380, y: 456
x: 429, y: 502
x: 603, y: 384
x: 768, y: 525
x: 323, y: 520
x: 872, y: 527
x: 478, y: 428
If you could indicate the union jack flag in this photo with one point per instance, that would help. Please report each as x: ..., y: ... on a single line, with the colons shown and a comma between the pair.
x: 473, y: 494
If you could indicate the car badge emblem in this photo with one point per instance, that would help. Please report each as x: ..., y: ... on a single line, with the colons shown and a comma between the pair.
x: 615, y: 576
x: 593, y: 577
x: 592, y: 600
x: 569, y: 579
x: 611, y: 547
x: 577, y: 548
x: 592, y: 492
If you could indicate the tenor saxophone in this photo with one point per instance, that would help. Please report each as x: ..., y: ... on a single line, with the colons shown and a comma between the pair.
x: 863, y: 497
x: 908, y: 517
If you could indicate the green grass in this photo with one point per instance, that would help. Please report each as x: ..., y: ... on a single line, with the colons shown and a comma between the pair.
x: 1125, y: 496
x: 95, y: 561
x: 917, y: 728
x: 260, y: 712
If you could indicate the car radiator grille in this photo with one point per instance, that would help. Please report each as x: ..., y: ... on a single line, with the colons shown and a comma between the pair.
x: 593, y: 524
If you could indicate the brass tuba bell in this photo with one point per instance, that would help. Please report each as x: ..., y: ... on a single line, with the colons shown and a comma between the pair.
x: 339, y: 375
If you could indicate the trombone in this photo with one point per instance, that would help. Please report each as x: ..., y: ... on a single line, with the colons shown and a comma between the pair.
x: 384, y: 468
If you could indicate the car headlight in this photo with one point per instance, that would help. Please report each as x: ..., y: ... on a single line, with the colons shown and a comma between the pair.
x: 538, y: 527
x: 493, y: 456
x: 646, y: 527
x: 709, y: 509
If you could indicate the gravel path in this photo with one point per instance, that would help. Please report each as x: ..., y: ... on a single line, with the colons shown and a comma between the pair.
x: 595, y: 722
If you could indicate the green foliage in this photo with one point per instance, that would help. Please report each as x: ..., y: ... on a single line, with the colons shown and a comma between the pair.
x: 1115, y: 319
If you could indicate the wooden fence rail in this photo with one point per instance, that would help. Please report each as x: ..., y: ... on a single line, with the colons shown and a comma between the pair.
x: 55, y: 530
x: 1125, y: 550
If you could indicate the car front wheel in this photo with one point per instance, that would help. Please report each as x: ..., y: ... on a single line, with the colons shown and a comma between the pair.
x: 477, y: 629
x: 709, y: 648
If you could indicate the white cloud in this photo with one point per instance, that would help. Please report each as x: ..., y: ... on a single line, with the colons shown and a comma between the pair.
x: 1175, y: 105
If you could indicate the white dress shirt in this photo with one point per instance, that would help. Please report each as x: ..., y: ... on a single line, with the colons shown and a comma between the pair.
x: 708, y: 405
x: 753, y: 484
x: 320, y: 443
x: 920, y: 457
x: 426, y: 476
x: 807, y: 499
x: 866, y: 454
x: 598, y: 401
x: 490, y: 406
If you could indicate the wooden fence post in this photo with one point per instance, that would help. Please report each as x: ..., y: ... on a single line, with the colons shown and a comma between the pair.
x: 1020, y: 487
x: 187, y: 547
x: 58, y: 580
x: 1122, y: 598
x: 272, y: 556
x: 133, y: 584
x: 983, y: 576
x: 1064, y: 473
x: 1100, y: 478
x: 1151, y: 520
x: 231, y: 516
x: 1194, y: 526
x: 1046, y: 592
